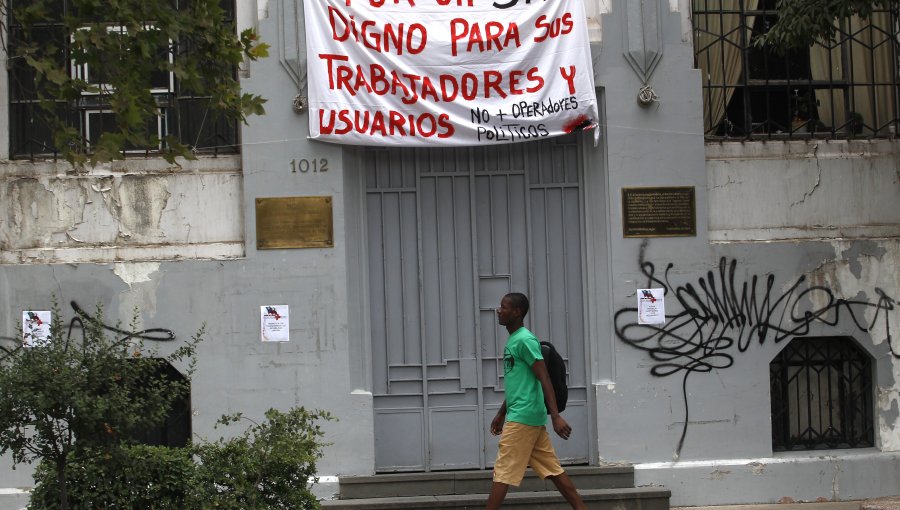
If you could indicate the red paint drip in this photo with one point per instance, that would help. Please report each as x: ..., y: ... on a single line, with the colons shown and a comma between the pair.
x: 578, y: 123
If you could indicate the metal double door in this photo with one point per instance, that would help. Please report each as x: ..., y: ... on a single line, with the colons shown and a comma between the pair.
x: 449, y: 232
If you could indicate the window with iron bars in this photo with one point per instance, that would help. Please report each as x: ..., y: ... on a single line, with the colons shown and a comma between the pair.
x: 822, y: 395
x: 846, y: 88
x: 181, y: 113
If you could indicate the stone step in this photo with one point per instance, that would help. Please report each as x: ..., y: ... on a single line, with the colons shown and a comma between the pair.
x: 595, y: 499
x: 446, y: 483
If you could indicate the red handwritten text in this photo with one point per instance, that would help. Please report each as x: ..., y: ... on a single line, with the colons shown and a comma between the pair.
x: 412, y: 38
x: 494, y: 35
x: 379, y: 3
x: 411, y: 88
x: 554, y: 28
x: 379, y: 123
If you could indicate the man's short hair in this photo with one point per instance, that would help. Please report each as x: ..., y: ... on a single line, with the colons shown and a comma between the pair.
x: 520, y: 301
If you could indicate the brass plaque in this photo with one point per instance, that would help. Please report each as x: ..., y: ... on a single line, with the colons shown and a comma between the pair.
x: 659, y: 212
x: 294, y: 222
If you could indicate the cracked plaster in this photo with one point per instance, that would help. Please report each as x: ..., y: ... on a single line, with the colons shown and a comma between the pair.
x: 103, y: 217
x: 40, y: 212
x: 139, y: 299
x: 859, y: 268
x: 140, y: 202
x: 809, y: 193
x: 55, y: 212
x: 814, y: 190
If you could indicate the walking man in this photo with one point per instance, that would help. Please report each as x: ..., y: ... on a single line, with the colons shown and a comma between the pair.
x: 521, y: 419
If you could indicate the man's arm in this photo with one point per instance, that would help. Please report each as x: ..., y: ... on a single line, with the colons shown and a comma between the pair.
x: 499, y: 420
x: 560, y: 425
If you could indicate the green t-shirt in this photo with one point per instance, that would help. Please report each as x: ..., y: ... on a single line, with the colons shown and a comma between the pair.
x: 524, y: 396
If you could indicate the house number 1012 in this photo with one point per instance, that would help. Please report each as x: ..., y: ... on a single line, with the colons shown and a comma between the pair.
x: 309, y: 165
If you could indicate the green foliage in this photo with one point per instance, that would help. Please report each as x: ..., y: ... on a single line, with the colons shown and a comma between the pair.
x: 803, y: 22
x: 267, y: 467
x: 75, y: 405
x: 123, y: 43
x: 76, y: 396
x: 135, y: 476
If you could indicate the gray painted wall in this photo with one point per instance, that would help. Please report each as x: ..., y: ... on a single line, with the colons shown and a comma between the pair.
x: 726, y: 456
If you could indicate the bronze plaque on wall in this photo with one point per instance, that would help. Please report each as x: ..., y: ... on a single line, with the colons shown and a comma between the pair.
x: 659, y: 212
x: 294, y: 222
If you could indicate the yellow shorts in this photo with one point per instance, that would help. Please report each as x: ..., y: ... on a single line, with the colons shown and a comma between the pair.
x: 522, y: 446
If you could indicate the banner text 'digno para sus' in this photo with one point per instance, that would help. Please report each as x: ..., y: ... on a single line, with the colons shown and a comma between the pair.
x: 448, y: 72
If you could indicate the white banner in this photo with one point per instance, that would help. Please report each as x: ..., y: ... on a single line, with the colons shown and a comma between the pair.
x: 447, y: 72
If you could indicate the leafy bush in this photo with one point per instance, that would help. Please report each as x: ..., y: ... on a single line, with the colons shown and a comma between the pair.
x: 80, y: 398
x: 77, y: 405
x: 135, y: 476
x: 267, y: 467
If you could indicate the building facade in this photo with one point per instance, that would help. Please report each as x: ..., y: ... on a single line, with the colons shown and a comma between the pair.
x: 777, y: 371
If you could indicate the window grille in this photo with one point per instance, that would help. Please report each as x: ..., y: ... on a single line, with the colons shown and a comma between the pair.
x: 848, y: 88
x: 822, y: 396
x: 182, y: 113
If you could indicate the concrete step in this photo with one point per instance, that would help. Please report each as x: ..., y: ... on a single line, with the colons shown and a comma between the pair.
x: 446, y: 483
x: 595, y: 499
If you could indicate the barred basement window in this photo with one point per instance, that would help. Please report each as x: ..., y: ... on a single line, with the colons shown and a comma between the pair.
x: 182, y: 113
x: 848, y: 88
x: 821, y: 390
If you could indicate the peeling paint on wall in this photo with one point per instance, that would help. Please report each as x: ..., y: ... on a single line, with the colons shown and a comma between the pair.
x: 139, y: 300
x: 135, y: 272
x: 105, y: 215
x: 757, y: 468
x: 859, y: 267
x: 889, y: 418
x: 719, y: 474
x: 40, y: 212
x: 835, y: 480
x: 139, y: 203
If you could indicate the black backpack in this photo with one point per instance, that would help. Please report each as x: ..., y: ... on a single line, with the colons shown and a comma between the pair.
x: 556, y: 367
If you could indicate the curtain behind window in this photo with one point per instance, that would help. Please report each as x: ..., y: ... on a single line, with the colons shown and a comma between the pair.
x: 720, y: 38
x: 863, y: 54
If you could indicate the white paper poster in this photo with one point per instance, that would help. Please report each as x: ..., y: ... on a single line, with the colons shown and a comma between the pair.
x: 447, y: 72
x: 651, y: 306
x: 274, y: 324
x: 36, y: 327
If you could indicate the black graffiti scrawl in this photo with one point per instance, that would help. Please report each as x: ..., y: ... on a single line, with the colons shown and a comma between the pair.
x: 77, y: 324
x: 720, y: 317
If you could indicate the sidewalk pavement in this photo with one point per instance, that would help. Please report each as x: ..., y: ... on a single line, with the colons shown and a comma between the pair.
x: 825, y: 505
x: 18, y: 502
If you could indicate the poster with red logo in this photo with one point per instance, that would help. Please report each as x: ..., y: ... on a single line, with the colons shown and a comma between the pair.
x: 447, y: 72
x: 651, y: 306
x: 36, y: 327
x: 274, y: 323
